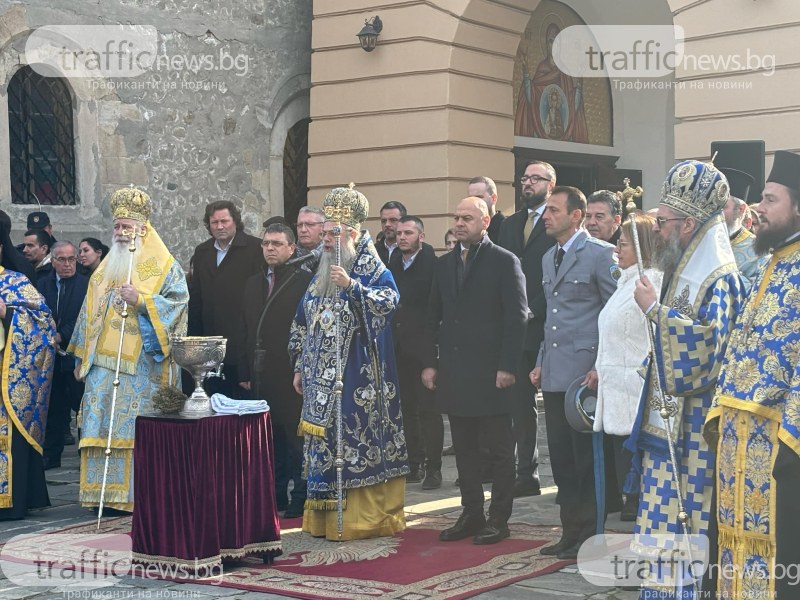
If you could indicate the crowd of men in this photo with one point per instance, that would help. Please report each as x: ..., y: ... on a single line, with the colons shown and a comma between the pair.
x: 385, y: 337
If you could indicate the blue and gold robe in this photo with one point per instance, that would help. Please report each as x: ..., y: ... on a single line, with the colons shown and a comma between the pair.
x: 758, y: 405
x: 28, y: 351
x: 692, y: 327
x: 144, y: 365
x: 372, y: 432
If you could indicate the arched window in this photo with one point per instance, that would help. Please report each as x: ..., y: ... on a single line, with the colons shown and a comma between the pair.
x: 41, y: 143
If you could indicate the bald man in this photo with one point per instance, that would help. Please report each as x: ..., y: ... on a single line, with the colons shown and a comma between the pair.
x: 477, y: 313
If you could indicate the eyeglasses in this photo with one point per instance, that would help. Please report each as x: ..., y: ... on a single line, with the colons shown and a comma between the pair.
x: 533, y: 179
x: 662, y: 220
x: 309, y: 225
x: 66, y: 259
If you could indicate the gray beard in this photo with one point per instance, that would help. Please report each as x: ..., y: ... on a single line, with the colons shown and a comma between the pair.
x: 325, y: 286
x: 668, y: 254
x: 116, y: 267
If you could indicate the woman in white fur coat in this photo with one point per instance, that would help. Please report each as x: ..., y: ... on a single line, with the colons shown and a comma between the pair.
x: 623, y: 346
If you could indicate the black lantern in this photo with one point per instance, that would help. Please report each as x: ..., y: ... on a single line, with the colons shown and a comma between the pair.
x: 368, y: 36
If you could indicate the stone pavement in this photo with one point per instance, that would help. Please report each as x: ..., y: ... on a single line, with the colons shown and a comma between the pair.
x: 541, y: 510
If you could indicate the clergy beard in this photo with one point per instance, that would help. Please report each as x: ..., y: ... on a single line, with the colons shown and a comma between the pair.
x: 116, y: 267
x: 326, y: 261
x: 668, y: 254
x: 767, y: 239
x: 533, y: 200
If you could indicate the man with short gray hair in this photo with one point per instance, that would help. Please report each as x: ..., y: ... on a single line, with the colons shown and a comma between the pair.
x: 484, y: 187
x: 64, y: 290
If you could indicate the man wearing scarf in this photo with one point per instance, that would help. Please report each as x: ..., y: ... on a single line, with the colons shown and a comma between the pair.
x: 156, y: 299
x: 756, y: 412
x: 701, y: 295
x: 373, y: 443
x: 27, y: 353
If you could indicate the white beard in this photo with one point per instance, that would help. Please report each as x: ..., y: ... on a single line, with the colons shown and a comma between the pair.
x: 116, y: 267
x: 326, y: 261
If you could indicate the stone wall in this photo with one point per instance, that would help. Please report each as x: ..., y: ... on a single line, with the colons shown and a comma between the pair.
x: 188, y: 133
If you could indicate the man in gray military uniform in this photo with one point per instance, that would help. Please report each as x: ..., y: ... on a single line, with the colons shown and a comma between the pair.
x: 579, y: 276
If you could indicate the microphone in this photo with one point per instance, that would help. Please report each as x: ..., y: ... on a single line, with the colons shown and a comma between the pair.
x: 297, y: 260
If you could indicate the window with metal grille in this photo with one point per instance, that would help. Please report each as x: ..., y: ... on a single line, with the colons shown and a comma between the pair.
x: 41, y: 143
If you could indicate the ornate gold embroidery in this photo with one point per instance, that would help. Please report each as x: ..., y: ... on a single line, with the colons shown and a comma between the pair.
x: 681, y: 302
x: 148, y: 269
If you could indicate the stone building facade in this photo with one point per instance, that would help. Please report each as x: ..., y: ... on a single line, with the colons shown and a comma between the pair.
x: 188, y: 133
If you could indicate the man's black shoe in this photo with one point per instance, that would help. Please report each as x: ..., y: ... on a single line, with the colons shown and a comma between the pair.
x: 631, y: 508
x: 468, y: 525
x: 416, y: 475
x: 570, y: 553
x: 51, y: 463
x: 69, y: 439
x: 528, y: 487
x: 492, y: 533
x: 555, y: 549
x: 433, y: 480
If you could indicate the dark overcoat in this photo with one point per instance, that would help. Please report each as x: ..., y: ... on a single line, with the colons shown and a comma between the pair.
x: 479, y: 329
x: 216, y: 292
x: 512, y: 238
x: 276, y: 373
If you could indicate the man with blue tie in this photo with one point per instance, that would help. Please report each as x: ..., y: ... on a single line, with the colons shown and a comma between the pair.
x: 64, y: 290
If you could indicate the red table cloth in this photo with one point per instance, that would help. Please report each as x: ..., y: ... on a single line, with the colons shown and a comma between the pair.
x: 204, y: 490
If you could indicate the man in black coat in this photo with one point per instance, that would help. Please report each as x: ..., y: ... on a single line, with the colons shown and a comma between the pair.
x: 523, y: 234
x: 271, y: 298
x: 220, y: 267
x: 412, y: 267
x: 64, y: 290
x: 386, y: 242
x: 477, y: 315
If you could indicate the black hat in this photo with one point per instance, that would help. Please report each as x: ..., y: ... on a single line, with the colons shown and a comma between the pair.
x: 273, y: 220
x: 739, y: 182
x: 38, y: 220
x: 786, y: 169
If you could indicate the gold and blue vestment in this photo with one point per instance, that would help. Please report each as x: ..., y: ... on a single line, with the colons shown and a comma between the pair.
x: 758, y: 405
x: 373, y: 438
x: 692, y: 327
x: 27, y: 371
x: 144, y: 367
x: 749, y: 263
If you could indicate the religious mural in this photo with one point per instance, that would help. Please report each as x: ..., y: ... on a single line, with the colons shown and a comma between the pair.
x: 551, y: 104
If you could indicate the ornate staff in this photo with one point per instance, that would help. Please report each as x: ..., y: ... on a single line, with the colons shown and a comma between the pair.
x: 338, y: 387
x: 668, y: 409
x: 115, y: 385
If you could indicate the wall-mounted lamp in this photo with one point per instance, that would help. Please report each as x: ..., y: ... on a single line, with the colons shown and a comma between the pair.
x: 368, y: 36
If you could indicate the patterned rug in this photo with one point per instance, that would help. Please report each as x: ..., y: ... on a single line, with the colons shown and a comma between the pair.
x: 413, y: 565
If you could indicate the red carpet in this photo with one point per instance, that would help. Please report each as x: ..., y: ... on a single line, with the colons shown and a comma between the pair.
x: 414, y: 565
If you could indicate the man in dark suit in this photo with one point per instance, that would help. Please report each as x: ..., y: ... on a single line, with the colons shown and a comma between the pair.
x: 220, y: 267
x: 386, y: 242
x: 477, y: 315
x: 271, y: 298
x: 412, y: 268
x: 523, y: 234
x: 578, y: 279
x: 485, y: 187
x: 64, y: 290
x: 604, y: 216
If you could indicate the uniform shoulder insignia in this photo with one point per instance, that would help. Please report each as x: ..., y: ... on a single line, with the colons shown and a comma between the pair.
x: 615, y: 271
